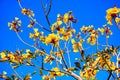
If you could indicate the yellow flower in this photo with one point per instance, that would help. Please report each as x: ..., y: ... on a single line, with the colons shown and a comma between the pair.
x: 117, y: 20
x: 4, y: 72
x: 57, y: 71
x: 42, y: 38
x: 61, y: 31
x: 65, y: 37
x: 87, y: 75
x: 45, y: 77
x: 84, y: 29
x: 24, y: 11
x: 73, y: 41
x: 11, y: 56
x: 27, y: 77
x: 32, y: 22
x: 31, y: 35
x: 52, y: 39
x: 101, y: 30
x: 35, y: 30
x: 91, y: 39
x: 73, y: 30
x: 58, y: 54
x: 37, y: 34
x: 27, y: 50
x: 112, y: 13
x: 3, y: 55
x: 9, y: 24
x: 76, y: 45
x: 58, y: 15
x: 65, y: 18
x: 59, y: 23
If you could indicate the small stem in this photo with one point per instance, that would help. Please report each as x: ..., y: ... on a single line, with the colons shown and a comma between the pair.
x: 24, y: 41
x: 16, y: 72
x: 104, y: 45
x: 47, y: 13
x: 66, y: 46
x: 20, y: 4
x: 117, y: 65
x: 40, y: 25
x: 33, y: 19
x: 96, y: 44
x: 63, y: 57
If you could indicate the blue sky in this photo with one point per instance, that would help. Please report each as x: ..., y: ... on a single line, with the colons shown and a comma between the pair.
x: 88, y: 12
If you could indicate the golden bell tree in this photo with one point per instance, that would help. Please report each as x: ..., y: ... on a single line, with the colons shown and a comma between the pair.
x: 54, y: 47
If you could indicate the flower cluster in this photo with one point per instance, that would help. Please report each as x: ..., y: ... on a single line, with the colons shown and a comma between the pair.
x: 27, y: 12
x: 32, y: 23
x: 113, y: 13
x: 92, y: 32
x: 48, y: 59
x: 105, y: 30
x: 77, y: 46
x: 17, y: 57
x: 66, y: 32
x: 36, y: 34
x: 52, y: 39
x: 68, y: 17
x: 15, y: 25
x: 55, y: 72
x: 89, y: 73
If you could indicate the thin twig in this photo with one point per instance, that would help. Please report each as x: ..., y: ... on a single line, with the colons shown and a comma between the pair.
x: 47, y: 13
x: 62, y: 57
x: 117, y: 65
x: 25, y: 42
x: 33, y: 19
x: 16, y: 73
x: 96, y: 44
x: 67, y: 51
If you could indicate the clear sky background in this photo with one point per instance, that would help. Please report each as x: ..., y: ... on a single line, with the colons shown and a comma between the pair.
x: 88, y: 12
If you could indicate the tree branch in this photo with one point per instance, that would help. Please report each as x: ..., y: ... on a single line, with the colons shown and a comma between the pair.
x: 47, y: 12
x: 33, y: 19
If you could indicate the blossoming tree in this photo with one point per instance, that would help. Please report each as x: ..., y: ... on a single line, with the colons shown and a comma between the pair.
x: 63, y: 40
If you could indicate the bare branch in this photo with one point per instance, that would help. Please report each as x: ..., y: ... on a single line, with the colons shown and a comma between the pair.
x: 33, y: 19
x: 16, y: 73
x: 47, y: 12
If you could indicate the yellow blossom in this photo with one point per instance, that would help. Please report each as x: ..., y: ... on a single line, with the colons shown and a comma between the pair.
x: 117, y: 20
x: 11, y: 56
x: 101, y: 30
x: 59, y: 23
x: 91, y: 39
x: 65, y: 37
x: 3, y: 55
x: 37, y: 34
x: 52, y: 39
x: 73, y: 41
x: 65, y: 18
x: 111, y: 13
x: 27, y: 50
x: 46, y: 77
x: 76, y: 46
x: 35, y: 30
x: 31, y: 35
x: 61, y: 31
x: 24, y: 11
x: 57, y: 71
x: 4, y: 72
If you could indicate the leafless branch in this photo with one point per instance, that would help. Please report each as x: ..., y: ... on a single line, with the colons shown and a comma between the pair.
x: 47, y: 12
